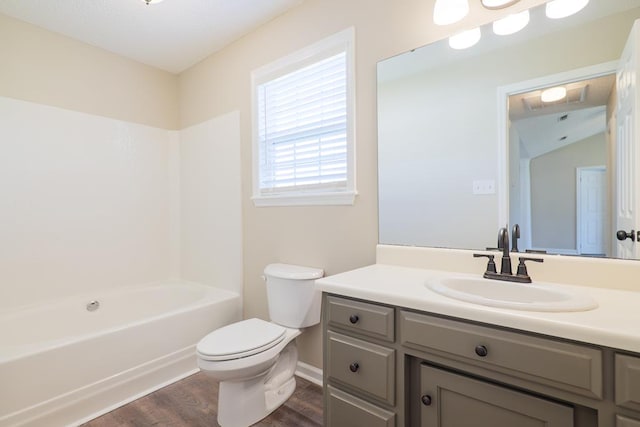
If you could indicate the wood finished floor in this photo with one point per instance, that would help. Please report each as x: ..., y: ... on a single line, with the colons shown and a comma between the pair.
x: 193, y: 402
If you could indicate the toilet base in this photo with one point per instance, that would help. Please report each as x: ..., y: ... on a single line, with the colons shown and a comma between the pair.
x: 243, y: 403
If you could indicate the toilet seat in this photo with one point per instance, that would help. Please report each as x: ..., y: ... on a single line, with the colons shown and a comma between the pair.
x: 239, y: 340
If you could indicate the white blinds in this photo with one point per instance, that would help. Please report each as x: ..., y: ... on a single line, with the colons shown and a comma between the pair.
x: 302, y: 128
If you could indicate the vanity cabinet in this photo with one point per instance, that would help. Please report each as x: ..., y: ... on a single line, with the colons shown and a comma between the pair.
x: 359, y: 363
x: 562, y: 365
x: 390, y: 366
x: 627, y: 389
x: 452, y: 400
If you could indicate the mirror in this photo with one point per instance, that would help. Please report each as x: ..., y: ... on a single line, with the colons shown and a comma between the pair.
x: 455, y: 161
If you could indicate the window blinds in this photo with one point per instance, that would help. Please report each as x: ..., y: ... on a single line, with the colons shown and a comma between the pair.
x: 302, y: 128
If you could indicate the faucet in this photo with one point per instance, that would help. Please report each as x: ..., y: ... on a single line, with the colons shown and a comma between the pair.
x: 515, y: 235
x: 503, y: 243
x: 505, y: 267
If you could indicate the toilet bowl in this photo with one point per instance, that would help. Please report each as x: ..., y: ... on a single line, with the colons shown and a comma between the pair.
x: 255, y: 360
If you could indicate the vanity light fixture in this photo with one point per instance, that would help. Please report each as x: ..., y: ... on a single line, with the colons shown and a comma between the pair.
x: 465, y: 39
x: 498, y: 4
x: 557, y: 9
x: 511, y: 24
x: 553, y: 94
x: 447, y: 12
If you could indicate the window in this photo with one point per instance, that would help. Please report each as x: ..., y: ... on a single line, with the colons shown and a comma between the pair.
x: 303, y: 126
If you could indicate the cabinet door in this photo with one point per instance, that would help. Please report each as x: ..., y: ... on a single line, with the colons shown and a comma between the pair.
x: 626, y: 422
x: 628, y: 381
x: 452, y: 400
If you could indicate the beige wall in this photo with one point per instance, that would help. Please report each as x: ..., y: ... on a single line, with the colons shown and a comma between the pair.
x: 334, y: 238
x: 48, y: 68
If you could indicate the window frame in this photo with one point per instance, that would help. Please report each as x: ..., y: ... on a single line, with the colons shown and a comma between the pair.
x: 340, y: 42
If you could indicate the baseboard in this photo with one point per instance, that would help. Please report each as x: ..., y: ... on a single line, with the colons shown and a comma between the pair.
x: 309, y: 373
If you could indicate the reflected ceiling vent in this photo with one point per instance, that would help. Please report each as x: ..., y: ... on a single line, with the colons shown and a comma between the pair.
x: 576, y: 93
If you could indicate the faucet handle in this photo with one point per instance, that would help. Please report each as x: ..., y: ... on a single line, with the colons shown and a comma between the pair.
x: 522, y: 268
x: 491, y: 265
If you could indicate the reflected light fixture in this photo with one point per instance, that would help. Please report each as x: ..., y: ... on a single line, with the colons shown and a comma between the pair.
x: 465, y: 39
x: 557, y: 9
x: 511, y: 24
x: 447, y: 12
x: 498, y: 4
x: 553, y: 94
x: 148, y: 2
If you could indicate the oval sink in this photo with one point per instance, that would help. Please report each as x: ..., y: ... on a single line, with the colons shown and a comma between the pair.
x: 518, y: 296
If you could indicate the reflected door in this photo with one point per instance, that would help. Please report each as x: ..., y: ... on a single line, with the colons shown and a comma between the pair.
x: 627, y: 162
x: 591, y: 211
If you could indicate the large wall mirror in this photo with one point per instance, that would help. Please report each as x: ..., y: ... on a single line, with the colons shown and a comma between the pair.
x: 466, y: 145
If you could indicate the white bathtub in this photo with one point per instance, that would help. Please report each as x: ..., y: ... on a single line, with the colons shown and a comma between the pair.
x: 61, y: 364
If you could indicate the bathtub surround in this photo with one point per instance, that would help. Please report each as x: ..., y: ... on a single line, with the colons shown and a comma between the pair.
x: 210, y: 203
x: 87, y: 203
x: 91, y: 203
x: 94, y: 207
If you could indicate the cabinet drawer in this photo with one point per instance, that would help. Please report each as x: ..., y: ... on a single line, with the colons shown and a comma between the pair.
x: 627, y: 381
x: 626, y: 422
x: 565, y: 366
x: 366, y: 319
x: 368, y: 367
x: 344, y: 409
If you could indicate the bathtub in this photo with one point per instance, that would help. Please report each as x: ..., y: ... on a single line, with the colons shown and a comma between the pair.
x: 62, y: 364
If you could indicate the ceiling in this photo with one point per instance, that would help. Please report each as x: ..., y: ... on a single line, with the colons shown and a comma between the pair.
x: 556, y: 125
x: 171, y: 35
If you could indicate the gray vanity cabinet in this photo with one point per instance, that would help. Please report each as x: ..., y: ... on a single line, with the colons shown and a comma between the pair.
x: 622, y: 421
x: 452, y: 400
x: 359, y: 364
x: 389, y: 366
x: 627, y: 374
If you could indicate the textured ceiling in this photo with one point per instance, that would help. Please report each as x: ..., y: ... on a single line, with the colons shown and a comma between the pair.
x: 172, y: 35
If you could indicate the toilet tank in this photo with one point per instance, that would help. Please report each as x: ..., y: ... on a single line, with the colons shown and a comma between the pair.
x: 293, y: 299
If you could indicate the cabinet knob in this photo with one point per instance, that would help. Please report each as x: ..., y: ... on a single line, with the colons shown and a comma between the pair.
x: 354, y: 367
x: 426, y: 400
x: 354, y: 318
x: 481, y: 350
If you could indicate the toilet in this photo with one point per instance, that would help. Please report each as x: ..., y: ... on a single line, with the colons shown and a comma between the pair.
x: 255, y: 360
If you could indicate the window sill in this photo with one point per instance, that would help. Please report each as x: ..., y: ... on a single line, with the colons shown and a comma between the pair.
x: 301, y: 199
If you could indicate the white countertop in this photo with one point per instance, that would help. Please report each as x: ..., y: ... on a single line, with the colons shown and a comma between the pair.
x: 615, y: 323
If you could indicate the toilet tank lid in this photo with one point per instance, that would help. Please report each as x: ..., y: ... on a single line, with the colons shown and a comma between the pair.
x: 294, y: 272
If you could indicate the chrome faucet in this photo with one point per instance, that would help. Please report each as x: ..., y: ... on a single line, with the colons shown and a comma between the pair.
x: 505, y: 267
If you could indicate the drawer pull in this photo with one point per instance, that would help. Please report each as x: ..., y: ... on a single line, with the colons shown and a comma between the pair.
x: 354, y: 367
x: 481, y: 351
x: 354, y: 319
x: 426, y: 400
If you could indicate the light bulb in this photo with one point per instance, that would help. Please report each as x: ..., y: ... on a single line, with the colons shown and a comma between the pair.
x: 511, y: 24
x: 557, y: 9
x: 553, y: 94
x: 465, y: 39
x: 498, y: 4
x: 447, y: 12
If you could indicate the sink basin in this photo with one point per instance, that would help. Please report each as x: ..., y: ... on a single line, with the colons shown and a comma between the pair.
x: 518, y: 296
